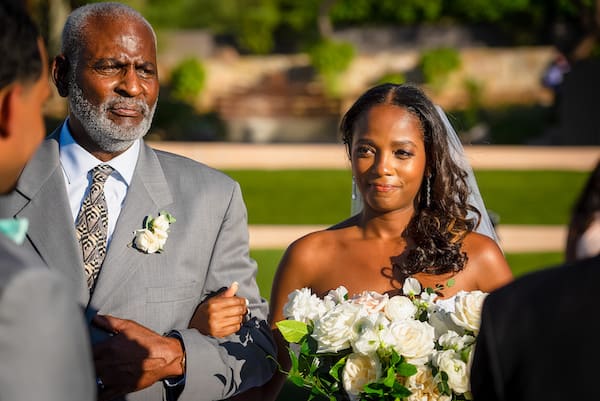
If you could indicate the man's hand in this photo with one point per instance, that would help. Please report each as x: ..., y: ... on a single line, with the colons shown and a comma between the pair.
x: 221, y: 315
x: 134, y: 357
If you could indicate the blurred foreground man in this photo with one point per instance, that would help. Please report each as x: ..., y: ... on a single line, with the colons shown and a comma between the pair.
x: 142, y: 236
x: 44, y: 346
x: 537, y: 339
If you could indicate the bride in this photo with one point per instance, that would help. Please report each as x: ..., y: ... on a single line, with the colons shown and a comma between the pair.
x: 417, y: 218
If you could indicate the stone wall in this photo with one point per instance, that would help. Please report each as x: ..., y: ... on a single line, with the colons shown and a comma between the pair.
x: 506, y: 75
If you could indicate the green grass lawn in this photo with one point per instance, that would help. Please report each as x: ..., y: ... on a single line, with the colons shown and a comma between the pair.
x: 520, y: 263
x: 323, y: 196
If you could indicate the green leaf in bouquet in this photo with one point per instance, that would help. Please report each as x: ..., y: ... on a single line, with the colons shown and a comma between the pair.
x: 390, y: 377
x: 464, y: 354
x: 296, y: 380
x: 406, y: 369
x: 294, y: 360
x: 292, y: 330
x: 335, y: 369
x: 399, y: 392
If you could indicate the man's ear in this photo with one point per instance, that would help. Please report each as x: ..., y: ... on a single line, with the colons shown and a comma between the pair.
x: 60, y: 72
x: 7, y: 98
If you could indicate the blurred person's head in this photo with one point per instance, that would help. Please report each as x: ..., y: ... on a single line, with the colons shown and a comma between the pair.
x: 23, y: 91
x: 586, y: 211
x: 107, y: 70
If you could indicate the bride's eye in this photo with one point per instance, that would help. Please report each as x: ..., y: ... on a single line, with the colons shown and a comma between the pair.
x: 403, y: 153
x: 364, y: 150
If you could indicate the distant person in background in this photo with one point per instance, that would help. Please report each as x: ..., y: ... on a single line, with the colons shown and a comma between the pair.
x: 536, y: 341
x: 45, y: 353
x: 553, y: 78
x: 583, y: 240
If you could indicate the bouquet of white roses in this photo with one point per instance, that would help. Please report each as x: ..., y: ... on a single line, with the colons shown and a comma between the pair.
x: 374, y: 347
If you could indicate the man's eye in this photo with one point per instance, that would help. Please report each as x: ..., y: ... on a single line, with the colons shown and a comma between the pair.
x: 146, y: 72
x: 107, y: 68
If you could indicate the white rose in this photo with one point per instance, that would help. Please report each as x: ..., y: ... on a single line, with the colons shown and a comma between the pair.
x: 442, y: 322
x: 359, y: 371
x: 337, y: 296
x: 400, y: 308
x: 411, y: 287
x: 457, y: 370
x: 161, y: 237
x: 451, y: 340
x: 423, y: 386
x: 161, y: 223
x: 410, y: 338
x: 146, y: 241
x: 303, y: 305
x: 467, y: 311
x: 373, y: 301
x: 366, y: 337
x: 334, y: 330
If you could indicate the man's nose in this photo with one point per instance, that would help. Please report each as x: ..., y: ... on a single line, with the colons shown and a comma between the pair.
x: 130, y: 84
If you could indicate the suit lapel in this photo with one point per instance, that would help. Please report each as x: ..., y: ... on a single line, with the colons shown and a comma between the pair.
x: 148, y: 194
x: 41, y: 197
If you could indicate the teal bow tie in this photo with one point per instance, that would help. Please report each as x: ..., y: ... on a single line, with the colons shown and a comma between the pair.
x: 14, y: 229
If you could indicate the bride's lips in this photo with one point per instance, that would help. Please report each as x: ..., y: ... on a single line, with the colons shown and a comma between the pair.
x: 379, y: 187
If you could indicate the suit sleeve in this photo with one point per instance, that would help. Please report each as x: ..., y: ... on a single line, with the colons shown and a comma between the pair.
x: 486, y: 382
x: 44, y: 346
x: 220, y: 368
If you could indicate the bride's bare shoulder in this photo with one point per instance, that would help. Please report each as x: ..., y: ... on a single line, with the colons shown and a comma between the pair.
x: 486, y: 262
x: 318, y: 248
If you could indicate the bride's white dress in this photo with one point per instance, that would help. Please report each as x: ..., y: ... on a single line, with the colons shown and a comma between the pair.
x: 446, y: 304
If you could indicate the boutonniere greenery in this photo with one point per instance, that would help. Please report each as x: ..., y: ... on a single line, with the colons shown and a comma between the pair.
x: 152, y: 238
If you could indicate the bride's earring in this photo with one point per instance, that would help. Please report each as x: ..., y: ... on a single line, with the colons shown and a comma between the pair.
x: 354, y: 190
x: 428, y: 191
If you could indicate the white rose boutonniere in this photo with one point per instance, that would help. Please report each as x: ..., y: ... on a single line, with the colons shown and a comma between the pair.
x: 152, y: 238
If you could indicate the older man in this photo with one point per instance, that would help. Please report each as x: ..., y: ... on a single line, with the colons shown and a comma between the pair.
x: 142, y: 236
x: 44, y: 346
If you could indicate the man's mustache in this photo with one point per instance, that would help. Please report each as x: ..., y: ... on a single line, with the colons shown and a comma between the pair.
x: 133, y: 104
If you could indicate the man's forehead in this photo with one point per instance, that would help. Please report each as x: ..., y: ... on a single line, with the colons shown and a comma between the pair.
x: 119, y: 38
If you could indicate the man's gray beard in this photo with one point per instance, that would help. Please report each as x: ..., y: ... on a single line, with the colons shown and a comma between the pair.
x: 105, y: 133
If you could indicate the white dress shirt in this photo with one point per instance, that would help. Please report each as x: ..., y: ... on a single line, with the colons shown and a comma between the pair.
x: 76, y: 163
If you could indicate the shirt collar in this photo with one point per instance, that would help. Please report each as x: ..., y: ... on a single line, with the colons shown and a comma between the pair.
x: 76, y: 161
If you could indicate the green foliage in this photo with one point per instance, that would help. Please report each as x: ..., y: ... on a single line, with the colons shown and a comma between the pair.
x: 187, y: 79
x: 385, y: 11
x: 474, y: 90
x: 392, y: 78
x: 331, y: 59
x: 437, y: 64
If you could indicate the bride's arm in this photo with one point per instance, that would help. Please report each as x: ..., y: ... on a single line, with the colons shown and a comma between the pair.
x: 295, y: 271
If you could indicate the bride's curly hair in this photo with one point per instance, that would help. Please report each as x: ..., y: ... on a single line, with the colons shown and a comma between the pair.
x: 435, y: 233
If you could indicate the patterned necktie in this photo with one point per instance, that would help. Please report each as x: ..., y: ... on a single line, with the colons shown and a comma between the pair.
x: 92, y: 223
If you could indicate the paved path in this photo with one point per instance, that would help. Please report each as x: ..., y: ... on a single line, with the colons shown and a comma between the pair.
x: 514, y: 238
x: 333, y: 156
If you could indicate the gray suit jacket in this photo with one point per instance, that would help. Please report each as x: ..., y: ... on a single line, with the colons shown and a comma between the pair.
x: 44, y: 347
x: 207, y: 250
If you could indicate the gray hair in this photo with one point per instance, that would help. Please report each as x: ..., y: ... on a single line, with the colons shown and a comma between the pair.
x: 73, y: 36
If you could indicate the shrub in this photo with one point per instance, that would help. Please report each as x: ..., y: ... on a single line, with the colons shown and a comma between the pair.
x: 437, y: 64
x: 187, y: 79
x: 331, y: 59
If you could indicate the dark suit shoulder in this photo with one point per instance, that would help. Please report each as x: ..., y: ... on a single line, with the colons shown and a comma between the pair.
x: 549, y: 285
